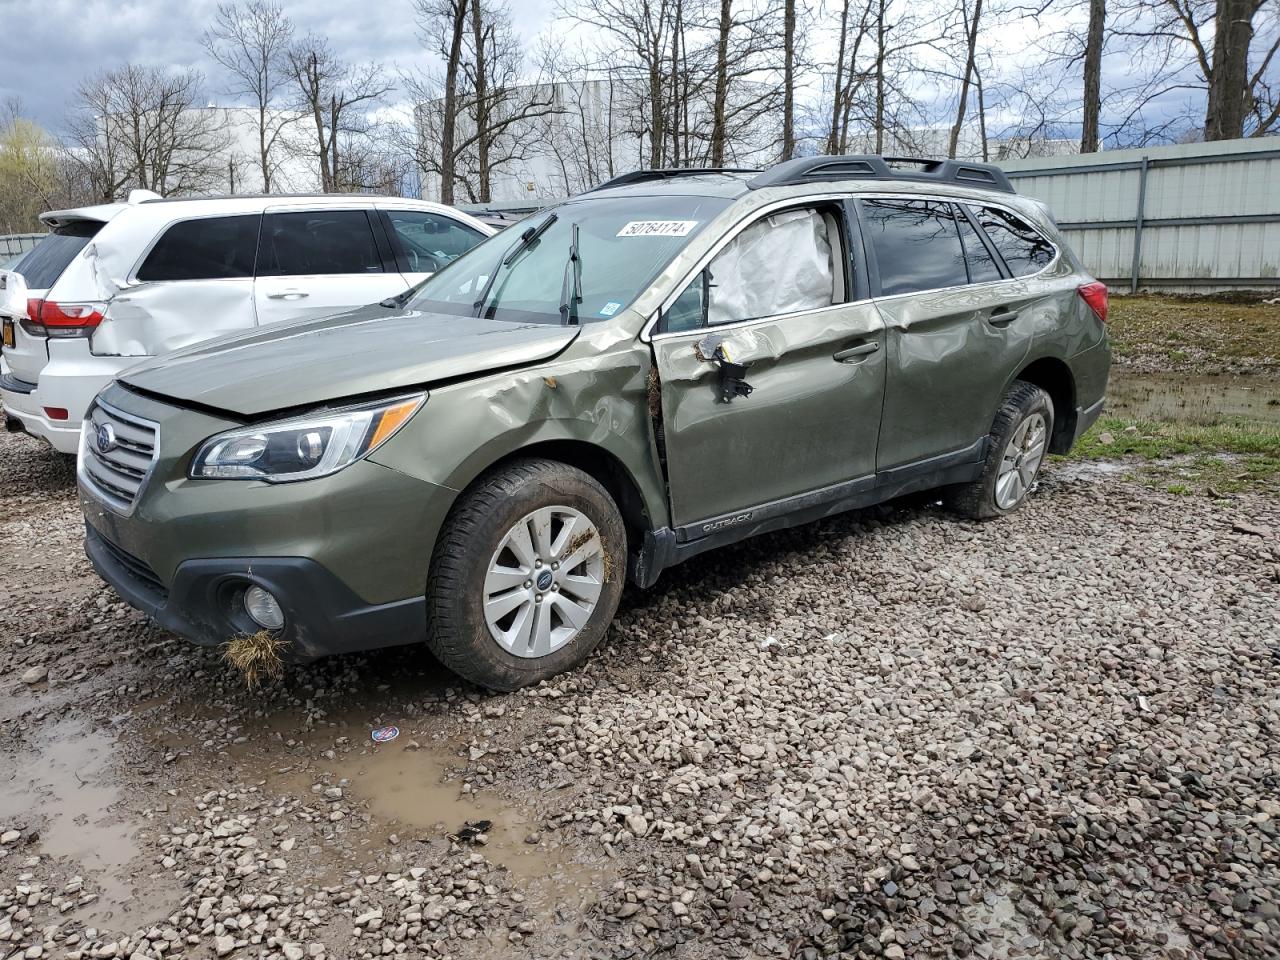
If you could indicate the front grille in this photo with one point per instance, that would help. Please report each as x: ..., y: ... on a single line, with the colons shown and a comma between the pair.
x: 117, y: 452
x: 135, y: 568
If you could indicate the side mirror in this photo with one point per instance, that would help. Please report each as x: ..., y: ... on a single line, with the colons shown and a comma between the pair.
x: 13, y: 294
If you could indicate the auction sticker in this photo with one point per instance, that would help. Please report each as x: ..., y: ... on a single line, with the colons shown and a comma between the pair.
x: 658, y: 228
x: 385, y: 734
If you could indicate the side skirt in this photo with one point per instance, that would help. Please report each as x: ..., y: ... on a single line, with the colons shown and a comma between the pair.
x: 666, y: 547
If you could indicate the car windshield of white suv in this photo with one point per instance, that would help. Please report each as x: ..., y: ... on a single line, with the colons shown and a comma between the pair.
x: 529, y: 273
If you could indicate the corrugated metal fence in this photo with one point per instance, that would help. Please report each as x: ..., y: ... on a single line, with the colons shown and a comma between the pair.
x: 16, y: 243
x: 1192, y: 218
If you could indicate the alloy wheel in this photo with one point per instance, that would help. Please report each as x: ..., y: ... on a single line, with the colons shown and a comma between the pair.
x: 1021, y: 461
x: 543, y: 581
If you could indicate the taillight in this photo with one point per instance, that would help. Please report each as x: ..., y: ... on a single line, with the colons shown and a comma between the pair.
x: 1095, y: 295
x: 32, y: 324
x: 57, y: 413
x: 70, y: 319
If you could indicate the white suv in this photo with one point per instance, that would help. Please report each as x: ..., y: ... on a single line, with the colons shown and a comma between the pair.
x: 118, y: 283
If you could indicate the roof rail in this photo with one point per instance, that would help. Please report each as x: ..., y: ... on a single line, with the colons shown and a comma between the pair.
x: 668, y: 173
x: 809, y: 169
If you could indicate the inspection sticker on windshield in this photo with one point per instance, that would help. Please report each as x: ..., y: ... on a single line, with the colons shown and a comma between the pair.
x: 658, y: 228
x: 610, y: 308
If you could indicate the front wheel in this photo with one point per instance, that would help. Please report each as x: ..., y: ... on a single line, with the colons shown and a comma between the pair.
x: 1016, y: 448
x: 526, y: 575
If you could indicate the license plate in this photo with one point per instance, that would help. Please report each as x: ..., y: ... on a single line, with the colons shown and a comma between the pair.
x: 8, y: 333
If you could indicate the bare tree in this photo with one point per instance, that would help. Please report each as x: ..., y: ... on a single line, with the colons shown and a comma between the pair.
x: 494, y: 109
x: 1093, y: 76
x: 337, y: 95
x: 251, y: 42
x: 442, y: 24
x: 641, y: 34
x: 788, y: 79
x: 971, y: 22
x: 142, y: 127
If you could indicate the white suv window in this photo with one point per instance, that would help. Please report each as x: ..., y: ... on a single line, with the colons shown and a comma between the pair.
x: 209, y: 248
x: 317, y: 243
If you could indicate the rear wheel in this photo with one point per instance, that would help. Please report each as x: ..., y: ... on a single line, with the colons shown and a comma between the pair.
x: 1016, y: 448
x: 526, y: 574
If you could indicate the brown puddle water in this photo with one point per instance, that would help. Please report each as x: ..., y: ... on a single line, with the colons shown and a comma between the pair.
x: 65, y: 791
x: 1193, y: 399
x: 406, y: 789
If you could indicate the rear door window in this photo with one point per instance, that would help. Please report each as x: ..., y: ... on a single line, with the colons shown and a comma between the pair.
x: 43, y: 264
x: 426, y: 242
x: 1024, y: 249
x: 982, y: 265
x: 208, y: 248
x: 318, y: 243
x: 916, y: 245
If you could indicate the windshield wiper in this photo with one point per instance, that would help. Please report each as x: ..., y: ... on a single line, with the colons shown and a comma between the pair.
x: 571, y: 297
x: 531, y: 234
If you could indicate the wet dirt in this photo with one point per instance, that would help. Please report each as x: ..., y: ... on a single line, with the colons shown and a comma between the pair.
x: 65, y: 796
x: 1194, y: 399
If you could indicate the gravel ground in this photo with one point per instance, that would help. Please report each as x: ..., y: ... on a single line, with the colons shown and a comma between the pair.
x: 891, y: 734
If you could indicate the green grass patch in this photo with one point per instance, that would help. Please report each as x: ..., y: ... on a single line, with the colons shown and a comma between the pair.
x: 1189, y: 458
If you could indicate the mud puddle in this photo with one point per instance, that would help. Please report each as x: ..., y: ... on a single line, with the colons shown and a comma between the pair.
x: 64, y: 792
x: 407, y: 789
x: 1192, y: 399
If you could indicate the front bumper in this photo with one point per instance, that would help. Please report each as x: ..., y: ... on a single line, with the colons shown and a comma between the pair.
x: 205, y: 601
x: 346, y: 555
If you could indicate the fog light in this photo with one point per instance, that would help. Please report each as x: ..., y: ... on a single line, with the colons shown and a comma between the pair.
x: 263, y: 608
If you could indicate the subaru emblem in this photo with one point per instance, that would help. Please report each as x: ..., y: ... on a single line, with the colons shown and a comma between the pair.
x: 106, y: 438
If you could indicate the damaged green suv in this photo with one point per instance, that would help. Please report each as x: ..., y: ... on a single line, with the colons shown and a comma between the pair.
x: 674, y: 361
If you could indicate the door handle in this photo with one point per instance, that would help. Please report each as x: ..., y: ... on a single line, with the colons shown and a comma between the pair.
x: 288, y: 295
x: 856, y: 354
x: 1002, y: 318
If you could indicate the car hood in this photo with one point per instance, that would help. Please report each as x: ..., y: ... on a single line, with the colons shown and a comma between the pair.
x: 363, y: 351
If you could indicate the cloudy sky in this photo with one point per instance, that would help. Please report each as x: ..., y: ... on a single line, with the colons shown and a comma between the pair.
x: 47, y: 46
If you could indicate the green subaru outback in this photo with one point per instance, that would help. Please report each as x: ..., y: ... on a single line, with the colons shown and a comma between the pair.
x: 674, y: 361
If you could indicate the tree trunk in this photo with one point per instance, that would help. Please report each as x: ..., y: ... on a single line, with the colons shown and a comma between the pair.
x: 982, y: 113
x: 262, y: 148
x: 484, y: 135
x: 1093, y: 76
x: 789, y: 79
x: 1229, y: 78
x: 718, y: 133
x: 970, y: 53
x: 334, y: 118
x: 449, y: 119
x: 881, y: 30
x: 834, y: 142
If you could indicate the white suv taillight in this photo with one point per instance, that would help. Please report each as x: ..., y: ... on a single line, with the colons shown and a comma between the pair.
x: 65, y: 319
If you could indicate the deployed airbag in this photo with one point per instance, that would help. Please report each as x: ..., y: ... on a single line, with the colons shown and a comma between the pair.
x: 782, y: 264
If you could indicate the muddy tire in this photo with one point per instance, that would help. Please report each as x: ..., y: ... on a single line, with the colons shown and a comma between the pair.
x: 526, y: 574
x: 1016, y: 448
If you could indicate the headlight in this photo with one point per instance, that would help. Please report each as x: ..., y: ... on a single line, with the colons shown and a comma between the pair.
x: 304, y: 448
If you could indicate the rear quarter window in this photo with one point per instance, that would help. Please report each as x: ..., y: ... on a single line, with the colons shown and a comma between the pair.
x: 43, y: 264
x: 210, y: 248
x: 1024, y: 249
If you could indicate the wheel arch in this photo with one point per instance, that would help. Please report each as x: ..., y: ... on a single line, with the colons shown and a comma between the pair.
x: 603, y: 465
x: 1054, y: 377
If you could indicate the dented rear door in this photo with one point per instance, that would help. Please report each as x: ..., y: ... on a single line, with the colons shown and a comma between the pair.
x: 195, y: 283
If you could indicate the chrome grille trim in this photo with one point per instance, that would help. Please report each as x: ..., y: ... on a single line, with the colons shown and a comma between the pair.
x: 117, y: 477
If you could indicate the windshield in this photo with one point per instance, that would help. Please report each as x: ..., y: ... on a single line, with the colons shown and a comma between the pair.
x: 623, y: 244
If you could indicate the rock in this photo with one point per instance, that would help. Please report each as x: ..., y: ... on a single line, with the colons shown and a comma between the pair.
x: 33, y: 675
x: 223, y: 945
x: 293, y: 951
x: 752, y: 751
x: 1106, y: 438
